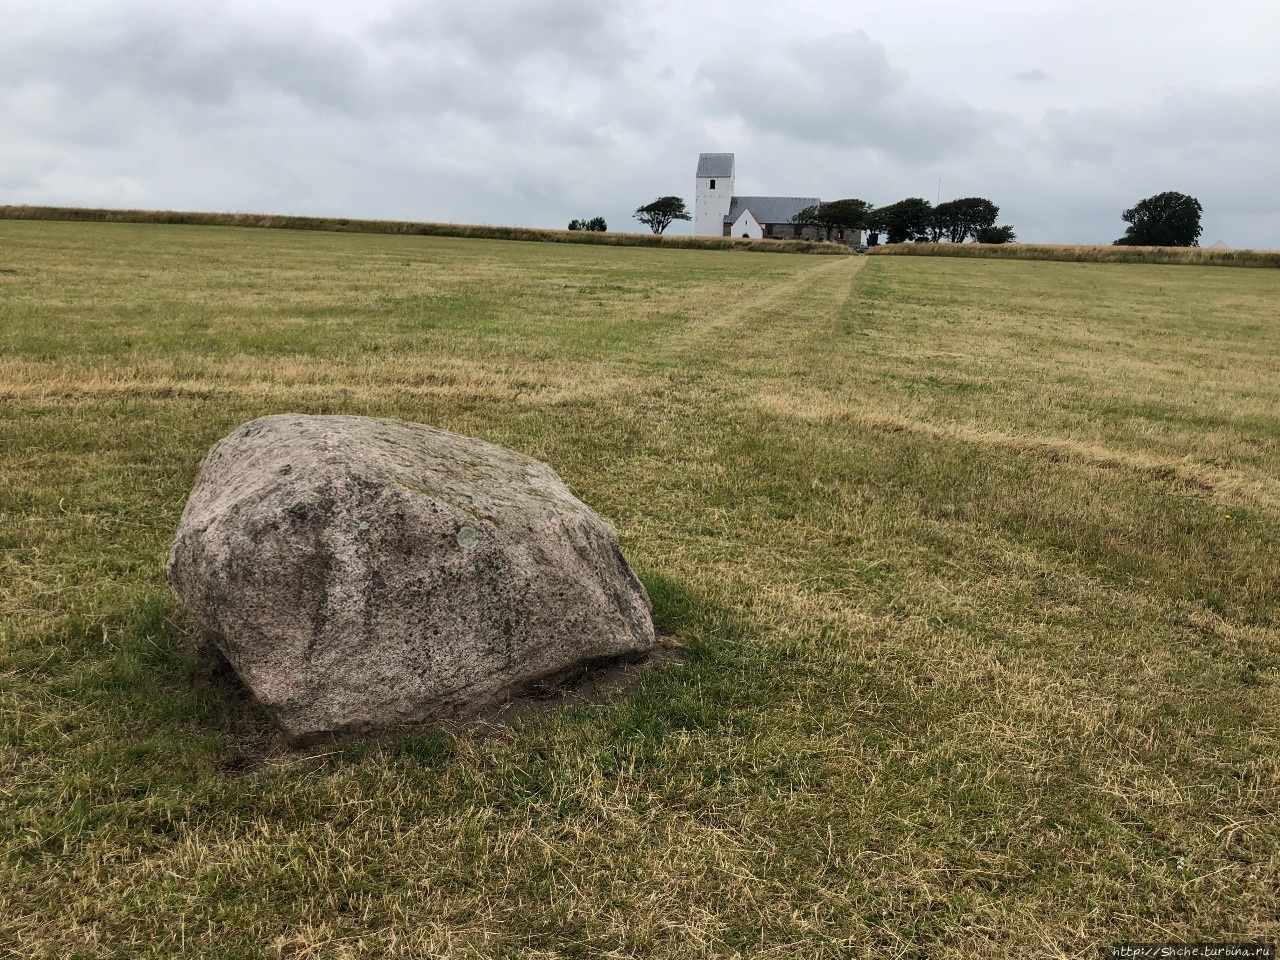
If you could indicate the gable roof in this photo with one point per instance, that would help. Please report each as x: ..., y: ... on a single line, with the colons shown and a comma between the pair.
x: 715, y: 165
x: 769, y: 209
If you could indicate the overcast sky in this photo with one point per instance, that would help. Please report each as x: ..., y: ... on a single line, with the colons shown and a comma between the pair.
x: 533, y: 112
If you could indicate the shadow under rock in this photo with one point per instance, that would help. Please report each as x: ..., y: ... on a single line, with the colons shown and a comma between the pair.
x: 252, y: 741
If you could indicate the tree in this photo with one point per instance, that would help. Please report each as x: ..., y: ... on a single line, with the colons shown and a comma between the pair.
x: 595, y: 224
x: 957, y: 220
x: 902, y: 221
x: 1168, y: 219
x: 874, y: 226
x: 939, y: 223
x: 808, y: 217
x: 660, y: 214
x: 1002, y: 234
x: 842, y: 215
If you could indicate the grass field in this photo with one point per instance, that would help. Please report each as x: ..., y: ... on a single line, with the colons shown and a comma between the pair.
x: 419, y: 228
x: 1088, y: 253
x: 975, y: 565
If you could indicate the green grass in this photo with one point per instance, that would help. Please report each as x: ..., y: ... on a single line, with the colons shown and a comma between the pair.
x: 416, y: 228
x: 974, y: 562
x: 1087, y: 253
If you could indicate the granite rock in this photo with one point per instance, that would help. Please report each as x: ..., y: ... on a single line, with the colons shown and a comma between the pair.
x: 361, y: 573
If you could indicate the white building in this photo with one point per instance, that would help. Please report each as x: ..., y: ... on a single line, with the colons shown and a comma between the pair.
x: 718, y: 213
x: 714, y: 194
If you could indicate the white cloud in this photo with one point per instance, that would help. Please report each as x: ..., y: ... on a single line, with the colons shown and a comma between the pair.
x: 841, y: 91
x: 536, y: 111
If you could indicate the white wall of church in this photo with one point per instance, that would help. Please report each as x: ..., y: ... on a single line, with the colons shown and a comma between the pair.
x: 746, y: 226
x: 711, y: 205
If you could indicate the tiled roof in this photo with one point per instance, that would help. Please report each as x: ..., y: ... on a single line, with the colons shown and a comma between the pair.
x: 769, y: 209
x: 715, y: 165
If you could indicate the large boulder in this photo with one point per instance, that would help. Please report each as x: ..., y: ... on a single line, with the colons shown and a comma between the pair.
x: 362, y: 573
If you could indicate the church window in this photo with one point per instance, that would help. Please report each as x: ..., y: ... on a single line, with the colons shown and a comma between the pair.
x: 713, y: 184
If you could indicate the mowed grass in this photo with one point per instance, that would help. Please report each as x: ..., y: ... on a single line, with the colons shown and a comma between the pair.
x: 418, y: 228
x: 1081, y: 253
x: 975, y: 564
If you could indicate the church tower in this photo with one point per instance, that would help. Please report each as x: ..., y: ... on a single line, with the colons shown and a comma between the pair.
x: 714, y: 193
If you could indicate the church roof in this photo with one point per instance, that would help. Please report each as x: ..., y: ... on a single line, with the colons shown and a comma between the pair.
x: 769, y: 209
x: 715, y: 165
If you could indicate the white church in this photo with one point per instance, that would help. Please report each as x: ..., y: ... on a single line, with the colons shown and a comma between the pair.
x: 718, y: 213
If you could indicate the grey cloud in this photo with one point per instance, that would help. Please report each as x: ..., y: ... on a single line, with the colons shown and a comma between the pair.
x: 1068, y: 176
x: 420, y: 61
x: 168, y: 53
x: 1032, y: 76
x: 1071, y: 138
x: 482, y: 113
x: 1220, y: 120
x: 1219, y: 146
x: 515, y: 31
x: 18, y: 182
x: 841, y: 90
x: 534, y: 112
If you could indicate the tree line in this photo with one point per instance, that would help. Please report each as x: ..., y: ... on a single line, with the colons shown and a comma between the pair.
x: 912, y: 219
x: 1168, y: 219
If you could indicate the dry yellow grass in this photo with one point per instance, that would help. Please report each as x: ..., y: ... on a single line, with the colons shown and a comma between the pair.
x: 1088, y: 253
x: 417, y: 228
x: 974, y: 564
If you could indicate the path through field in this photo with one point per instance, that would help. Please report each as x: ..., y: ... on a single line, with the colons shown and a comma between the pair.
x: 975, y: 565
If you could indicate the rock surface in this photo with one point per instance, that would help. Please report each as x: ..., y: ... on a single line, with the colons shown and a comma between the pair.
x: 362, y: 573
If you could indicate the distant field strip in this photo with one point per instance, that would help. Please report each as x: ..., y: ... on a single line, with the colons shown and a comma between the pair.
x: 1086, y: 253
x: 417, y: 228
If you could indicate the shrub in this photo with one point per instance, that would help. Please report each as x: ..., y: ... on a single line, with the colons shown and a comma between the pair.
x: 1001, y: 234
